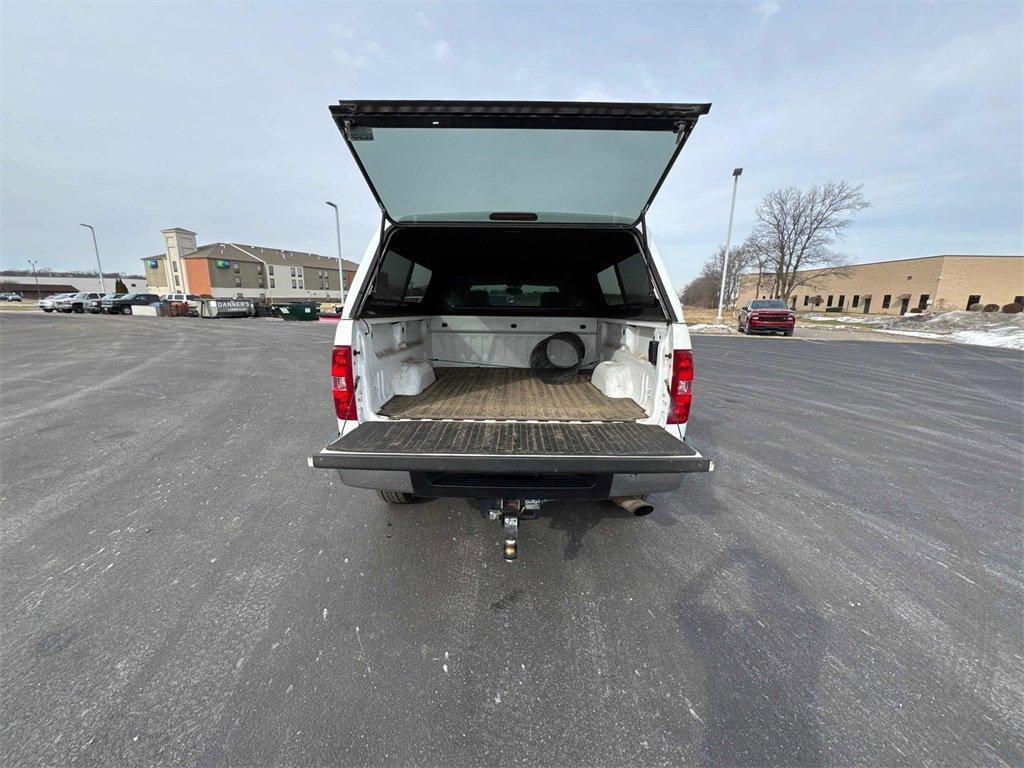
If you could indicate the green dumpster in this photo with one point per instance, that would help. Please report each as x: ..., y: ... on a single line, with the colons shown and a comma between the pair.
x: 299, y: 310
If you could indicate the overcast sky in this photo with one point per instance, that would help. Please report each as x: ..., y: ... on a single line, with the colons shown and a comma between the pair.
x: 136, y: 118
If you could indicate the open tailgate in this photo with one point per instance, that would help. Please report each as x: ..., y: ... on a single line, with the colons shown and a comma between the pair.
x: 510, y: 448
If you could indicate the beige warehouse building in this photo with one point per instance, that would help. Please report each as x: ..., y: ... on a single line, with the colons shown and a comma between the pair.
x: 929, y: 283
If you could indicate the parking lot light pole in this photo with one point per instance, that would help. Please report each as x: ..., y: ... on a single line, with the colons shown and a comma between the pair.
x: 341, y: 264
x: 728, y: 240
x: 32, y: 263
x: 103, y: 288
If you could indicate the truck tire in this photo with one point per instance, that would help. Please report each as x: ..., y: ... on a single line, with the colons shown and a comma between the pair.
x: 397, y: 497
x: 547, y: 371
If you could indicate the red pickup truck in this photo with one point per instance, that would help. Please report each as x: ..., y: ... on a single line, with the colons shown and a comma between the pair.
x: 771, y: 315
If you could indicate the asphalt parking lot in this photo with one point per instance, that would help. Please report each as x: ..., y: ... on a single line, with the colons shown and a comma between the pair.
x: 180, y: 589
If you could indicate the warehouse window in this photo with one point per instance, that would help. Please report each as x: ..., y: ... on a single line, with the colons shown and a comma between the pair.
x: 923, y: 301
x: 886, y: 300
x: 856, y: 299
x: 238, y: 281
x: 270, y: 269
x: 829, y: 300
x: 294, y: 283
x: 176, y: 281
x: 261, y: 281
x: 842, y: 299
x: 975, y: 298
x: 174, y: 266
x: 273, y: 284
x: 259, y: 269
x: 807, y: 300
x: 234, y: 265
x: 293, y: 271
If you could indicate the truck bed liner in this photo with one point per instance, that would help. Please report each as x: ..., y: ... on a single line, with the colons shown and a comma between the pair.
x: 445, y: 446
x: 509, y: 393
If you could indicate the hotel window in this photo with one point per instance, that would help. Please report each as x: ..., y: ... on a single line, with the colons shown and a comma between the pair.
x: 885, y: 300
x: 294, y: 283
x: 293, y: 271
x: 856, y: 299
x: 270, y: 269
x: 261, y: 281
x: 272, y: 283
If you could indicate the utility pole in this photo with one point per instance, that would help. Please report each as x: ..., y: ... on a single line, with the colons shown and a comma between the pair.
x: 728, y: 240
x: 341, y: 264
x: 103, y: 287
x: 32, y: 263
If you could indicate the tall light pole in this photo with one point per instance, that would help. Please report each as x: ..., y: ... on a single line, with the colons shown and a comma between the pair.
x: 341, y: 264
x: 32, y: 263
x: 103, y: 287
x: 728, y: 240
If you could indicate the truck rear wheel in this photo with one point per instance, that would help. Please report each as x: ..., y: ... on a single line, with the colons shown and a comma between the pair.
x: 397, y: 497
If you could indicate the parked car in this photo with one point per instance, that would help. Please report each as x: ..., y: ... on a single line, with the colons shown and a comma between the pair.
x: 767, y: 315
x: 9, y: 297
x: 514, y: 334
x: 192, y: 299
x: 95, y: 306
x: 49, y: 304
x: 75, y: 302
x: 122, y: 305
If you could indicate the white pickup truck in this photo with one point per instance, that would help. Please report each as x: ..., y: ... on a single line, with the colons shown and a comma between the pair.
x: 512, y: 333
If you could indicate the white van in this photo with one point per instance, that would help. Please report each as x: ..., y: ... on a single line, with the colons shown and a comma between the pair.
x: 512, y: 333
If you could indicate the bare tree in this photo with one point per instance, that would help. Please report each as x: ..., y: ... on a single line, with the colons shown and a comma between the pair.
x: 796, y: 231
x: 702, y: 291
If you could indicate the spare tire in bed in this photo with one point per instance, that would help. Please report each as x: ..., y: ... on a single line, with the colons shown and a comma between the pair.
x: 549, y: 372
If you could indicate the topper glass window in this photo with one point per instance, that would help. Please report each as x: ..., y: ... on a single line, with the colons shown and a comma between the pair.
x: 524, y: 161
x: 400, y: 281
x: 457, y: 174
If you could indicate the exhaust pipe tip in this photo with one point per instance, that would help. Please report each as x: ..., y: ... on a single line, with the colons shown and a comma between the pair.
x: 634, y: 504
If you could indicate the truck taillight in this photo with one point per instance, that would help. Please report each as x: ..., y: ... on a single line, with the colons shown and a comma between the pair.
x: 681, y: 394
x: 343, y: 383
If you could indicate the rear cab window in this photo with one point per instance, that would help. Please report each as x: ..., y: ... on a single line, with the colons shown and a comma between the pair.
x: 513, y: 295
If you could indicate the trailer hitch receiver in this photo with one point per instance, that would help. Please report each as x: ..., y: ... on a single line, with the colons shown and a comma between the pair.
x: 509, y: 512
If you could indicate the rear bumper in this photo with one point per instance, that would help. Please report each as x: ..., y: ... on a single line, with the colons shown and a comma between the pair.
x: 546, y: 486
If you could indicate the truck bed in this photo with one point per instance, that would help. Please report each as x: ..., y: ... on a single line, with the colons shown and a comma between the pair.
x: 510, y: 393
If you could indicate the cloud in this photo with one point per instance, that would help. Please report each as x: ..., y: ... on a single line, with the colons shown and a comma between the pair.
x: 350, y: 59
x: 440, y: 49
x: 349, y: 54
x: 592, y: 90
x: 767, y: 9
x: 340, y: 30
x: 423, y: 20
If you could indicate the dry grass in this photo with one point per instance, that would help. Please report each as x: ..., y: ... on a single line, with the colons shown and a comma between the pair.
x: 694, y: 315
